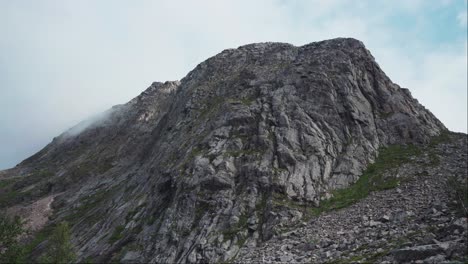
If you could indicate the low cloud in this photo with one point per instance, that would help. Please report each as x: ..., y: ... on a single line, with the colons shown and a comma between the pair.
x: 91, y: 122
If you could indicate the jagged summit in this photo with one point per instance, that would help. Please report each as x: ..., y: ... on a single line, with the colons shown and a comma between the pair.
x: 191, y: 170
x: 336, y: 43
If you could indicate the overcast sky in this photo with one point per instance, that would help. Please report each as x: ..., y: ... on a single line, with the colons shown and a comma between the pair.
x: 63, y: 61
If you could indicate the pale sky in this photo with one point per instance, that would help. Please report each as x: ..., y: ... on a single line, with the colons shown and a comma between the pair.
x: 63, y: 61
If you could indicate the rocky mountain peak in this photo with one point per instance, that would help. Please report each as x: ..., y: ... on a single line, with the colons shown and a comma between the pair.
x: 194, y: 170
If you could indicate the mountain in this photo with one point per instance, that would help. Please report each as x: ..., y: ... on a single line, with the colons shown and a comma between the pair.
x: 252, y: 143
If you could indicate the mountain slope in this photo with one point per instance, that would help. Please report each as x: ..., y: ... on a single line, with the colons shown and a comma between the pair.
x: 422, y: 219
x: 189, y: 171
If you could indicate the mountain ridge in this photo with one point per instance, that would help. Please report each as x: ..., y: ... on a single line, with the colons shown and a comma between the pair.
x: 197, y: 162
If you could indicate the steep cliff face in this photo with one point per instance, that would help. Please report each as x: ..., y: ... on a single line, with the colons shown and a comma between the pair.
x: 188, y: 171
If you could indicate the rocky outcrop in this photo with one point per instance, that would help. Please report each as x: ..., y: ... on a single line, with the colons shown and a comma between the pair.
x: 416, y: 221
x: 188, y: 171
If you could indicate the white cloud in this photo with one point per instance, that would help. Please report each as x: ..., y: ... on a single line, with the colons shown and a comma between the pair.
x: 461, y: 18
x: 438, y: 79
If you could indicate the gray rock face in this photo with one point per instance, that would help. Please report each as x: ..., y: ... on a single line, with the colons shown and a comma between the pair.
x: 186, y: 171
x: 415, y: 233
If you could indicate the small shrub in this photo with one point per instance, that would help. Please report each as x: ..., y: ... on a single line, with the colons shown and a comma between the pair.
x: 10, y: 249
x: 59, y: 248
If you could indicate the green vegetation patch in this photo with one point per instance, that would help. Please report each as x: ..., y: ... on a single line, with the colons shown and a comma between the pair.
x: 59, y: 247
x: 57, y: 250
x: 41, y: 236
x: 211, y: 106
x: 12, y: 191
x: 280, y: 199
x: 385, y: 115
x: 117, y: 234
x: 244, y: 101
x: 88, y: 204
x: 444, y: 137
x: 195, y: 151
x: 11, y: 251
x: 372, y: 178
x: 8, y: 198
x: 6, y: 182
x: 232, y: 232
x: 431, y: 148
x: 459, y: 191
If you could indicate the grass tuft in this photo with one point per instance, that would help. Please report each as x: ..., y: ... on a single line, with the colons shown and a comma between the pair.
x: 117, y: 235
x: 372, y: 179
